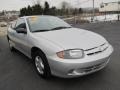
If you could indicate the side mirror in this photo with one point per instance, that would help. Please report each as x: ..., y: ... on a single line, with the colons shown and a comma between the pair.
x: 21, y: 30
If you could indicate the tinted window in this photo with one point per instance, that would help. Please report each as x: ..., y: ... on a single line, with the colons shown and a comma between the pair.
x: 20, y: 24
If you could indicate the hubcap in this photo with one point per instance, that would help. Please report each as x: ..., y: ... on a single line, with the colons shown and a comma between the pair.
x: 39, y: 64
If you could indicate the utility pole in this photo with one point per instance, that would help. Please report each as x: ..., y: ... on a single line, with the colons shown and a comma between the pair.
x: 118, y: 10
x: 93, y: 11
x: 76, y: 11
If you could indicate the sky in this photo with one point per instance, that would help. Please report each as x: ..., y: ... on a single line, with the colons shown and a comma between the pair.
x: 17, y: 4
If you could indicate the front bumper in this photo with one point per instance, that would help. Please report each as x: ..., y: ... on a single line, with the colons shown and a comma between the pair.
x: 79, y: 67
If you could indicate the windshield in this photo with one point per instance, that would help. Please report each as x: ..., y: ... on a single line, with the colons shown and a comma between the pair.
x: 46, y: 23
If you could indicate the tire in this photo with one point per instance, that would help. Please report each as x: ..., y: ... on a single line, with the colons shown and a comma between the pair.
x: 42, y: 65
x: 10, y: 46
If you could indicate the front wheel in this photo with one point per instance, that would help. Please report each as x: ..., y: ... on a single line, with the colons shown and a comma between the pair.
x: 42, y: 65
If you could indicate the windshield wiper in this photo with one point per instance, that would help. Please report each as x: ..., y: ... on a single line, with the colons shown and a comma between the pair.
x: 41, y: 30
x: 57, y: 28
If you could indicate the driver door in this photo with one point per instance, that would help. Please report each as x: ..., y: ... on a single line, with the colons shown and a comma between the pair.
x: 21, y: 38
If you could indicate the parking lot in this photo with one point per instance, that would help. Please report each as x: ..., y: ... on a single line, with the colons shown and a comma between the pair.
x: 3, y: 31
x: 17, y: 72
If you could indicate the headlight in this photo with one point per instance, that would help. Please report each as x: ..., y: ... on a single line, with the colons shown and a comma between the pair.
x: 71, y: 54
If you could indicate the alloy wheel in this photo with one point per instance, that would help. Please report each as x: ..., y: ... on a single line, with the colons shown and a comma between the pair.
x: 39, y: 64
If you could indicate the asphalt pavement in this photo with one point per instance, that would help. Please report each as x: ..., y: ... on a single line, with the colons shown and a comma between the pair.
x: 17, y: 72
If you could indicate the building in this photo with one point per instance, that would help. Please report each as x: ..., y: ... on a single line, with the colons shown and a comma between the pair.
x: 111, y: 7
x: 10, y: 14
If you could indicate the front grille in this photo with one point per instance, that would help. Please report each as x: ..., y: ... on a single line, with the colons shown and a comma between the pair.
x: 97, y: 50
x: 94, y: 47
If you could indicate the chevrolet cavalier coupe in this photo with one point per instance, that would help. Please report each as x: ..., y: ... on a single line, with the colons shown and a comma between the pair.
x: 57, y: 48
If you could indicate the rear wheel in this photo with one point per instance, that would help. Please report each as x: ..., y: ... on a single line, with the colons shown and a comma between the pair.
x: 41, y: 64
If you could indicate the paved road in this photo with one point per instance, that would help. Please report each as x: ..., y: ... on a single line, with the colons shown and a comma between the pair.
x: 17, y: 71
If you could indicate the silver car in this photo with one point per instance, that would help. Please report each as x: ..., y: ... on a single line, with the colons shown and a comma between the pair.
x: 57, y: 48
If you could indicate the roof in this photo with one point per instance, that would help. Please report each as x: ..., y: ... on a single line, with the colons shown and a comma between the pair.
x: 109, y: 2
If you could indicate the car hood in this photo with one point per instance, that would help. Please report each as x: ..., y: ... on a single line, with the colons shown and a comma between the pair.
x: 73, y: 38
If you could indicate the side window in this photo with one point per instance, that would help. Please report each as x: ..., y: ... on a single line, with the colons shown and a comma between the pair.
x: 20, y: 24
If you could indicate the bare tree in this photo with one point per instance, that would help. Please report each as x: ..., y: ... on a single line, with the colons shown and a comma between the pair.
x: 65, y: 6
x: 38, y: 1
x: 34, y: 2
